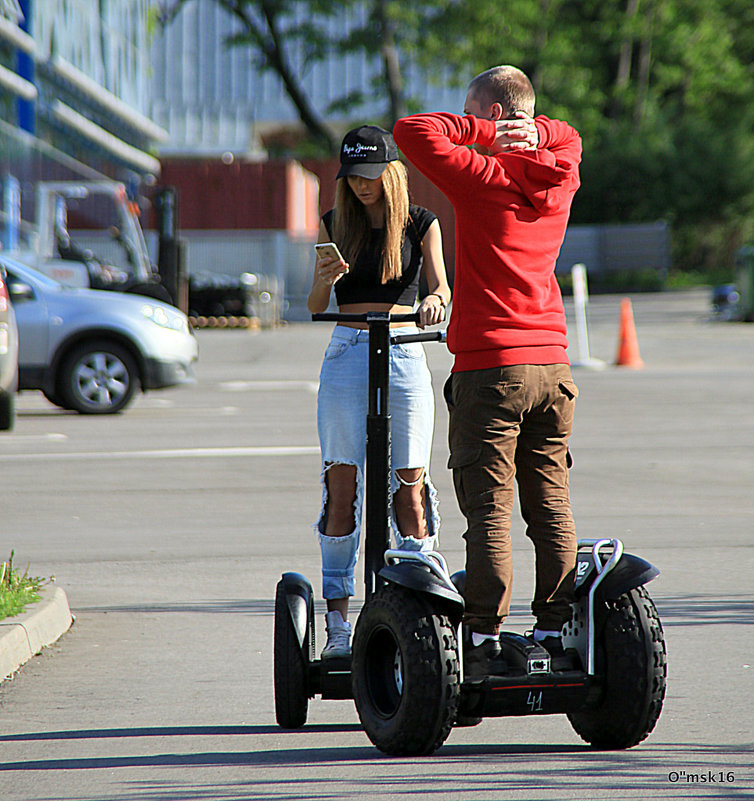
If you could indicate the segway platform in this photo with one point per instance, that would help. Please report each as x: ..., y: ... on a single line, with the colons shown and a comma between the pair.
x: 533, y: 683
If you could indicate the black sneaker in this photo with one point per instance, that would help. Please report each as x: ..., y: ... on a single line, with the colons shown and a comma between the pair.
x: 553, y: 646
x: 560, y: 659
x: 483, y: 660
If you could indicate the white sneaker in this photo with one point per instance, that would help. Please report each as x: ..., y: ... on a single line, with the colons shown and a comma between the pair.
x: 338, y: 636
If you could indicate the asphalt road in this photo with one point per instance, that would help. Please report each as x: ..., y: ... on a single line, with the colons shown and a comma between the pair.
x: 169, y: 525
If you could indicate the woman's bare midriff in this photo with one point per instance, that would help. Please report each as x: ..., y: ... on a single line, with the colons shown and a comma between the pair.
x: 363, y: 308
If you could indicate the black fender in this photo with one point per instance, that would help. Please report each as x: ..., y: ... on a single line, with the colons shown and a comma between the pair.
x: 630, y: 572
x: 417, y: 577
x: 300, y: 597
x: 459, y: 580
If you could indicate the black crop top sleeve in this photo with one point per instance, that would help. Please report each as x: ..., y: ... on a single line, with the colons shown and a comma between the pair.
x: 362, y: 283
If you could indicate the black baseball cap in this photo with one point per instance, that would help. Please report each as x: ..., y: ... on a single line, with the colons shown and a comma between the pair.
x: 365, y: 152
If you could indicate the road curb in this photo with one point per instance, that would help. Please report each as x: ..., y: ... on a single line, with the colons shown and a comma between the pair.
x: 23, y: 636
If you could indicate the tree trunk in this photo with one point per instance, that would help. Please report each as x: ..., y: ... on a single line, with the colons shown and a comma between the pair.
x: 623, y: 71
x: 271, y: 46
x: 644, y: 68
x: 393, y: 77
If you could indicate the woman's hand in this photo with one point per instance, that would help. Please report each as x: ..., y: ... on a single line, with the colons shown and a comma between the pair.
x: 431, y: 311
x: 329, y: 270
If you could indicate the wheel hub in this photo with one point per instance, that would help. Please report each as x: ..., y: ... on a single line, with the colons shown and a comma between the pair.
x: 102, y: 379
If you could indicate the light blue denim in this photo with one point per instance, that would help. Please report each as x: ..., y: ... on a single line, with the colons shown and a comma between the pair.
x: 342, y: 404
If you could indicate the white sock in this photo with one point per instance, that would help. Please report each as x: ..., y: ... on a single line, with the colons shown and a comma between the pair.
x: 477, y: 639
x: 540, y: 634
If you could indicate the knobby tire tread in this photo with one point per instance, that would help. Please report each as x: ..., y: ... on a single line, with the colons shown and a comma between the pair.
x: 636, y: 669
x: 429, y: 701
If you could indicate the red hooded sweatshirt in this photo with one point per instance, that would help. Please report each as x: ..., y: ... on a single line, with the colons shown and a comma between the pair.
x: 511, y: 212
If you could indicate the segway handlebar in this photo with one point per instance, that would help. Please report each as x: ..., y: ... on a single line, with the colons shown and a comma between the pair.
x: 365, y: 317
x: 383, y: 317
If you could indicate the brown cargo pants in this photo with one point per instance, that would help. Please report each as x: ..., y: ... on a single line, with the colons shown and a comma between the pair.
x: 511, y: 423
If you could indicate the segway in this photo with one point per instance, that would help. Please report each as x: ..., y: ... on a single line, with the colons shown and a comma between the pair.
x: 298, y: 675
x: 406, y: 675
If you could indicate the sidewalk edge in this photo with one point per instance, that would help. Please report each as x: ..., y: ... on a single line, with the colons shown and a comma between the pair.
x: 25, y: 635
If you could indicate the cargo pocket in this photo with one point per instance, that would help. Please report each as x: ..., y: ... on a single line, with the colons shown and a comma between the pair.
x: 464, y: 456
x: 569, y: 389
x: 461, y: 459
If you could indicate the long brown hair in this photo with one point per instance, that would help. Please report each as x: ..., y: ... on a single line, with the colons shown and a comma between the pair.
x: 352, y: 225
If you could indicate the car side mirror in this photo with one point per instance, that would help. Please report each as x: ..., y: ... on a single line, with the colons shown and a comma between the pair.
x: 19, y: 291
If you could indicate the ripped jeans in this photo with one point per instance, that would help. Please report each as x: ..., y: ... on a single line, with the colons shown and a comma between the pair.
x: 341, y: 422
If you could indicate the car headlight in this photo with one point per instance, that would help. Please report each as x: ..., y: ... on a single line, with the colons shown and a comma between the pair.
x: 163, y: 318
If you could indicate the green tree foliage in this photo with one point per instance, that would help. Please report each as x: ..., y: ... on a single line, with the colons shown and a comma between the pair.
x: 270, y: 30
x: 288, y: 36
x: 661, y: 90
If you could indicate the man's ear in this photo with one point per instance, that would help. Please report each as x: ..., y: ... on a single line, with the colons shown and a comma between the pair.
x: 497, y: 112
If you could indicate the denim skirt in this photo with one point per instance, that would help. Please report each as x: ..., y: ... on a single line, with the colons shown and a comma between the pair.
x: 342, y: 404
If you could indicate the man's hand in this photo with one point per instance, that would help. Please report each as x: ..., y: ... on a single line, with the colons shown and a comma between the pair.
x: 515, y: 134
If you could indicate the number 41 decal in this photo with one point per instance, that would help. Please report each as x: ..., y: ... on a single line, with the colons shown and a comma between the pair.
x: 534, y: 701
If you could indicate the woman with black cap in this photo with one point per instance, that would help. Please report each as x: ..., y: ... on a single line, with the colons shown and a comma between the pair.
x: 387, y: 244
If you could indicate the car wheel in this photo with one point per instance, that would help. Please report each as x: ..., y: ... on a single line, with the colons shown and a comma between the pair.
x: 98, y: 377
x: 7, y: 411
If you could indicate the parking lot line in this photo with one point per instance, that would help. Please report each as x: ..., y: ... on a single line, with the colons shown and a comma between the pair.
x: 176, y: 453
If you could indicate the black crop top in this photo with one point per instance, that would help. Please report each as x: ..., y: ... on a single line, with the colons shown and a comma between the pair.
x: 362, y: 283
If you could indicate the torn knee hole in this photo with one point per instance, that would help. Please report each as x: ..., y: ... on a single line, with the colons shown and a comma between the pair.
x: 341, y: 487
x: 407, y: 482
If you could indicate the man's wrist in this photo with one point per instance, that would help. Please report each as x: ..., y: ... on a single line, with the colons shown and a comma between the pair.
x: 486, y: 132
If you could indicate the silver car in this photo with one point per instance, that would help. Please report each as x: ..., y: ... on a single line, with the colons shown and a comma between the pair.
x: 91, y: 350
x: 8, y: 357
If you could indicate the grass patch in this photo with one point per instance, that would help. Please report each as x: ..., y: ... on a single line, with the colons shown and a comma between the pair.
x: 17, y: 590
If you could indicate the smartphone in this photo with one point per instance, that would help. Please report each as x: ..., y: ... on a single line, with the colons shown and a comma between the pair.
x: 328, y: 250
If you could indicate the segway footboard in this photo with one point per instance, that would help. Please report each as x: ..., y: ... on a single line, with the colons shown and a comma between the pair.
x: 531, y: 685
x: 510, y: 696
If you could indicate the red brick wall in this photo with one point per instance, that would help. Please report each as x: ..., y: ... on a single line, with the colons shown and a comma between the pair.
x: 242, y: 195
x: 268, y: 195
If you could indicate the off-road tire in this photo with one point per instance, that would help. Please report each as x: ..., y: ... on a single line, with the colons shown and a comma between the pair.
x: 290, y: 667
x: 406, y: 710
x: 631, y: 655
x: 466, y: 721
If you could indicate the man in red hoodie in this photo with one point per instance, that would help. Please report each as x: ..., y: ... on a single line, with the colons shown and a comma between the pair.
x: 511, y: 178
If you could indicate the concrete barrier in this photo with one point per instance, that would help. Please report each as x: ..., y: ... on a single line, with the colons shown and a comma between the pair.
x: 23, y: 636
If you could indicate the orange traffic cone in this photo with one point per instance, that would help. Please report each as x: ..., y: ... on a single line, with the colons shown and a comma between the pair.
x: 628, y: 346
